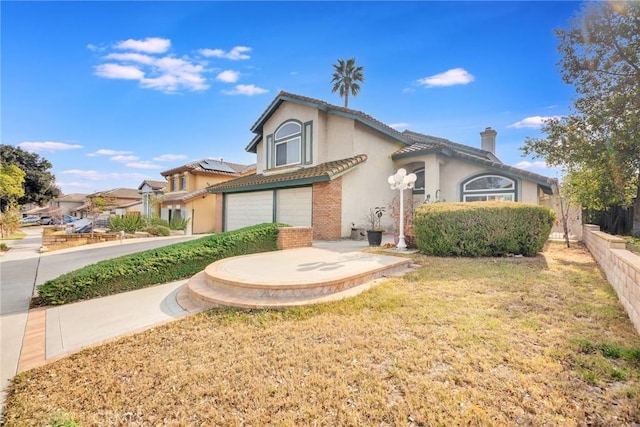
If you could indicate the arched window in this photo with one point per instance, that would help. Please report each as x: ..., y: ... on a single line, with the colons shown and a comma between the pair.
x: 287, y: 141
x: 489, y: 188
x: 418, y: 187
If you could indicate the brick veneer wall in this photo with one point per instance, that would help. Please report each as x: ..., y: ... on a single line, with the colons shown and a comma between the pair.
x: 294, y: 237
x: 327, y: 210
x: 621, y: 267
x: 60, y: 239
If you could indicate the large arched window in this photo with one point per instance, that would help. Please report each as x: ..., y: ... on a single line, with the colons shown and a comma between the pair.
x: 489, y: 188
x: 287, y: 141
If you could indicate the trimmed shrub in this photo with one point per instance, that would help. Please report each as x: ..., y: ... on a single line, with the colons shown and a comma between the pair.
x: 129, y: 223
x: 154, y: 266
x: 178, y: 223
x: 482, y: 228
x: 155, y: 220
x: 158, y: 230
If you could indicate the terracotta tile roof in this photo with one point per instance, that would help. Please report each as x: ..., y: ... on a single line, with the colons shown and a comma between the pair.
x: 209, y: 166
x: 321, y: 105
x: 183, y: 196
x: 322, y: 172
x: 73, y: 197
x: 422, y: 142
x: 119, y: 193
x: 155, y: 185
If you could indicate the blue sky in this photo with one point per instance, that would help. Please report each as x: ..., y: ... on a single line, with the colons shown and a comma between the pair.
x: 112, y: 93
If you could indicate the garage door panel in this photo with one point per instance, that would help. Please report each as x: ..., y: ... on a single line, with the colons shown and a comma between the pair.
x: 294, y: 206
x: 247, y: 209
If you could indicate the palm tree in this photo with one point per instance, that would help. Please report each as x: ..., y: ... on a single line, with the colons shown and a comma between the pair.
x: 346, y: 77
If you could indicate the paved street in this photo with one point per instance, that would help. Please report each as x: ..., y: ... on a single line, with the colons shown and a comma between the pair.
x: 23, y: 268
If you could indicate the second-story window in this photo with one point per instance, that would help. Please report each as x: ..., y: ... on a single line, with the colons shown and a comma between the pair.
x: 173, y: 184
x: 287, y: 141
x: 183, y: 182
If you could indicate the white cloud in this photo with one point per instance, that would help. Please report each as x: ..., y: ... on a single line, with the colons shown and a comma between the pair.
x: 106, y: 152
x: 525, y: 164
x: 236, y: 53
x: 124, y: 159
x: 150, y: 63
x: 169, y: 157
x: 117, y: 71
x: 48, y: 146
x: 132, y: 57
x: 143, y: 165
x: 248, y: 90
x: 148, y: 45
x: 408, y: 90
x: 399, y: 125
x: 455, y: 76
x: 228, y: 76
x: 534, y: 122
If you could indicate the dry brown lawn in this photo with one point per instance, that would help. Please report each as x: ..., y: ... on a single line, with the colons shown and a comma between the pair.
x: 513, y: 341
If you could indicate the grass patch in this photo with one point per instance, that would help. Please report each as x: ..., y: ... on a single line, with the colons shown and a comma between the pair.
x: 19, y: 235
x: 486, y: 341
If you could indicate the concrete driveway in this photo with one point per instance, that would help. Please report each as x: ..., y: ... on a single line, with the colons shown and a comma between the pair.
x: 23, y: 268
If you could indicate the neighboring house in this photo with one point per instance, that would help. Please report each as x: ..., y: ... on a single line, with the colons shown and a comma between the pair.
x: 69, y: 203
x: 186, y: 193
x: 120, y: 201
x: 326, y: 166
x: 151, y: 191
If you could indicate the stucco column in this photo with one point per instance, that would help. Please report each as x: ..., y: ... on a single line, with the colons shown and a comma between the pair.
x: 431, y: 177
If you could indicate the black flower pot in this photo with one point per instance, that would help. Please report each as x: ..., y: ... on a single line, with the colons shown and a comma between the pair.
x: 374, y: 237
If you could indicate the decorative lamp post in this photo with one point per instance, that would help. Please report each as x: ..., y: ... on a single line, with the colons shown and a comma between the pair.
x: 401, y: 181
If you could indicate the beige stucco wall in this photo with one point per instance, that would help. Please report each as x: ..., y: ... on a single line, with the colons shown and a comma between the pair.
x: 288, y: 111
x: 366, y: 186
x: 202, y: 214
x: 446, y: 174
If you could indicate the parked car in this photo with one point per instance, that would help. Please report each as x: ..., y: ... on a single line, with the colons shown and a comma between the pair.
x: 68, y: 219
x: 30, y: 220
x: 47, y: 220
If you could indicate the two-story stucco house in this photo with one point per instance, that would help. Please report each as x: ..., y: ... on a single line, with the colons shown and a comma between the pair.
x: 326, y: 166
x: 185, y: 192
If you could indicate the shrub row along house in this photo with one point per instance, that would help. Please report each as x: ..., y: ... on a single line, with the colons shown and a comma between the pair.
x: 326, y: 166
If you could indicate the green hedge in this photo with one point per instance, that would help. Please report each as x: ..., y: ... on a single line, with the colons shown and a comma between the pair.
x: 162, y: 265
x: 482, y: 228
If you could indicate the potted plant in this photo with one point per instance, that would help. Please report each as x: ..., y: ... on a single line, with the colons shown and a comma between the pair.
x: 374, y: 234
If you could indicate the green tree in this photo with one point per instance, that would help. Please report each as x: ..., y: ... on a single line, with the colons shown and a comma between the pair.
x: 11, y: 185
x: 39, y: 181
x: 346, y: 77
x: 598, y: 144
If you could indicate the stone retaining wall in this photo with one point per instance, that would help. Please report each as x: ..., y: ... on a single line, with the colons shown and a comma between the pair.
x: 294, y: 237
x: 621, y: 267
x: 77, y: 238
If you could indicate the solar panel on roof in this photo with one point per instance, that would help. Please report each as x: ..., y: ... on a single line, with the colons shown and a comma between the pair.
x: 215, y: 165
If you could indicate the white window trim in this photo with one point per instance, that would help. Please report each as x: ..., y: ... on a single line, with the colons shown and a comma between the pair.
x: 492, y: 190
x: 487, y: 195
x: 285, y: 141
x: 298, y: 132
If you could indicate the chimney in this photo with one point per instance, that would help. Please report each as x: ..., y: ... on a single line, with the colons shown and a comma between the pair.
x: 488, y: 140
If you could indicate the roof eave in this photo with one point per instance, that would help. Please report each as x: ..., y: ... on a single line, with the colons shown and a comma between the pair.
x: 272, y: 185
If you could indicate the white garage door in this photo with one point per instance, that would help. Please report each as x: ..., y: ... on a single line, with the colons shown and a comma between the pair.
x: 246, y: 209
x: 294, y: 206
